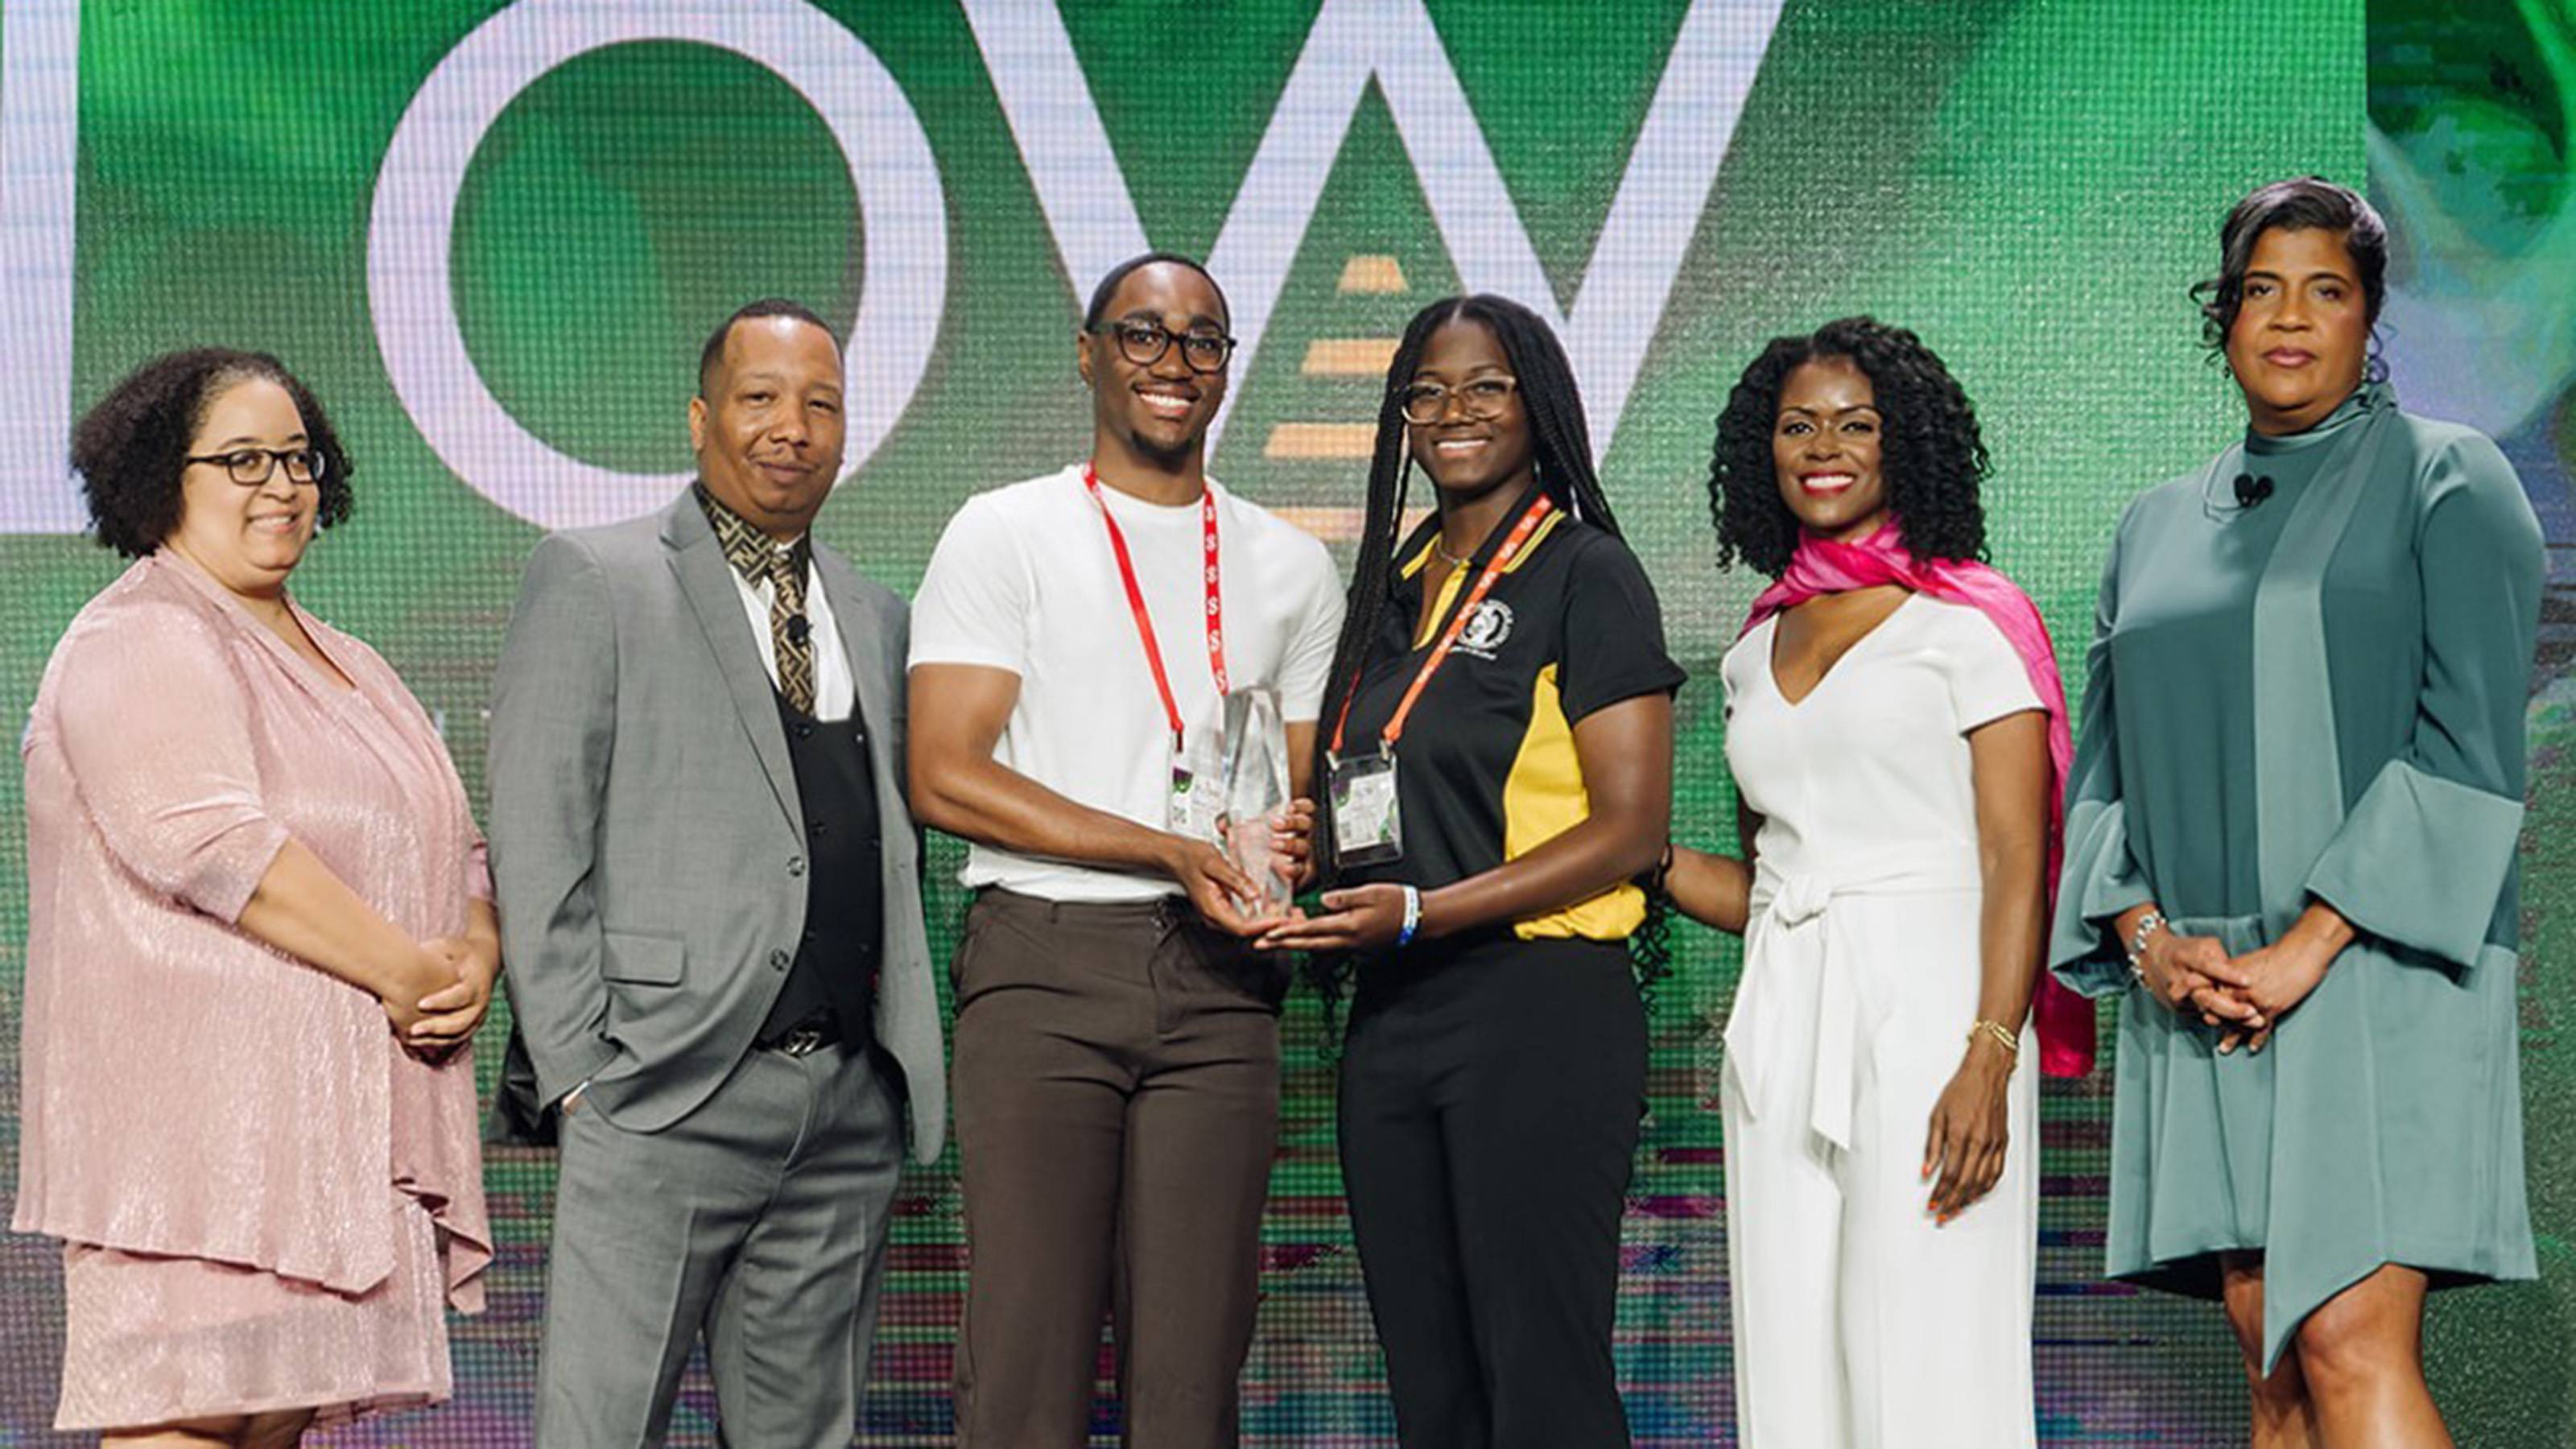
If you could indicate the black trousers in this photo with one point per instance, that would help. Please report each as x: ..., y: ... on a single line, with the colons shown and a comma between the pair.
x: 1490, y: 1100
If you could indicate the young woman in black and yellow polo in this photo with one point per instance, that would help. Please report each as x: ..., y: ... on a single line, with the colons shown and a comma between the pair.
x: 1504, y: 664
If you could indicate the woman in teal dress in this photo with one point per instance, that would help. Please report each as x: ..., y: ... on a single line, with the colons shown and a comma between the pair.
x: 2291, y: 838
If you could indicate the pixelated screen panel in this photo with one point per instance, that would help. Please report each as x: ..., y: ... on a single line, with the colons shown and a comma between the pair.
x: 493, y: 239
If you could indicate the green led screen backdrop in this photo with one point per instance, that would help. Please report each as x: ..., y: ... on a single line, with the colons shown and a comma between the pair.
x: 492, y: 237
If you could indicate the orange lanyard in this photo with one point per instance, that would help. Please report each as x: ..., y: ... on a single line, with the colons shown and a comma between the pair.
x: 1518, y: 540
x: 1145, y: 621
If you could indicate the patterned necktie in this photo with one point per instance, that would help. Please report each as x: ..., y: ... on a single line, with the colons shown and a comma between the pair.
x: 756, y: 557
x: 788, y: 629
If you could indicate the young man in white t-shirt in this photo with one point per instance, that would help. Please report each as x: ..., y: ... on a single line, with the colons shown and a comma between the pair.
x: 1116, y: 1067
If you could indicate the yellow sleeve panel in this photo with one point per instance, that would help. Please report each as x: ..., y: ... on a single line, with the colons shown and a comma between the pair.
x: 1542, y: 799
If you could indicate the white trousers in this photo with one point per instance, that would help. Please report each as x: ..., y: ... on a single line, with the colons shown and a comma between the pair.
x: 1859, y: 1323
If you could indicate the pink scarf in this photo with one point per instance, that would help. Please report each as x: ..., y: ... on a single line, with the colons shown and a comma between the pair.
x: 1822, y: 566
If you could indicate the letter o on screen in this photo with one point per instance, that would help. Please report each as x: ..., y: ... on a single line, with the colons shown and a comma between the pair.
x: 904, y: 280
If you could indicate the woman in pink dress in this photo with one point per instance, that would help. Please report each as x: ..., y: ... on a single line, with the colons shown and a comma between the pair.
x: 260, y: 936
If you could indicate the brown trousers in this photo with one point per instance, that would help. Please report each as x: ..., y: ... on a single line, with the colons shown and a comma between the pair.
x: 1117, y: 1092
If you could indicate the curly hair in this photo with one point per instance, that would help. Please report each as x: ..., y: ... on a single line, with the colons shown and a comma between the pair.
x: 1931, y: 456
x: 131, y: 446
x: 2302, y: 203
x: 1562, y: 462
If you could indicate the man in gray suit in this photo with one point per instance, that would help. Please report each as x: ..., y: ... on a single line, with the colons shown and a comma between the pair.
x: 710, y: 899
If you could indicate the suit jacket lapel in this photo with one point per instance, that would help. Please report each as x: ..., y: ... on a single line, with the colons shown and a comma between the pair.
x: 708, y: 582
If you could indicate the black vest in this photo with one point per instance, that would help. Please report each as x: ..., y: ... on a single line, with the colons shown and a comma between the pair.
x: 836, y: 960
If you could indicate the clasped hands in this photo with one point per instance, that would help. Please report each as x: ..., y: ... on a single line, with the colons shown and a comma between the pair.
x: 2245, y: 995
x: 436, y: 1000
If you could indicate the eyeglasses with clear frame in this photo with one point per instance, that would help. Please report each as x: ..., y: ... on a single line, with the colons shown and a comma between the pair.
x: 251, y: 467
x: 1144, y: 343
x: 1483, y: 399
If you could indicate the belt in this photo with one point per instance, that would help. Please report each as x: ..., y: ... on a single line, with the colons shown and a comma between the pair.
x: 1161, y: 911
x: 1788, y: 932
x: 805, y: 1038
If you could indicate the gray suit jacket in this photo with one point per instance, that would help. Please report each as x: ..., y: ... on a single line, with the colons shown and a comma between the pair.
x: 648, y: 847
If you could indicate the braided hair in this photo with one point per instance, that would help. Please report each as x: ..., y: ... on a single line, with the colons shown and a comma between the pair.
x: 1561, y: 457
x: 1932, y: 458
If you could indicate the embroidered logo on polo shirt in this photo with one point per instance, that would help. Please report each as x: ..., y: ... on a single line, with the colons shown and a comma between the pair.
x: 1486, y: 629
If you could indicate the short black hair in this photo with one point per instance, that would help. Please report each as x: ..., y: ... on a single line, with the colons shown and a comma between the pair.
x: 2302, y: 203
x: 131, y: 447
x: 1931, y: 456
x: 713, y: 352
x: 1108, y: 288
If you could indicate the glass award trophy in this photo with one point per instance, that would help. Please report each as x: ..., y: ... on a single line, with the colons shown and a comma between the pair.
x: 1255, y: 775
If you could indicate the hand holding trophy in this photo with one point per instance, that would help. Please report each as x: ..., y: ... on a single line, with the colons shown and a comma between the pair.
x: 1257, y: 828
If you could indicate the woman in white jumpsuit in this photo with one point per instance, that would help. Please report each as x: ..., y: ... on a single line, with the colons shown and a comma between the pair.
x: 1895, y: 729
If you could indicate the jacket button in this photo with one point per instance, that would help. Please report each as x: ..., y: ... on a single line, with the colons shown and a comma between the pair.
x: 795, y: 865
x: 778, y: 960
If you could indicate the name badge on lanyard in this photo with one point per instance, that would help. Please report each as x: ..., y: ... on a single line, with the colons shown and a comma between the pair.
x: 1368, y: 818
x: 1195, y: 800
x: 1368, y: 822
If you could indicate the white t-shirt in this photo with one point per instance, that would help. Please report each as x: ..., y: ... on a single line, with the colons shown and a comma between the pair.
x: 1024, y: 580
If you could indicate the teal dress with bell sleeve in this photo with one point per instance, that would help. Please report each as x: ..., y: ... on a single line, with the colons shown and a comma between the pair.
x: 2317, y: 697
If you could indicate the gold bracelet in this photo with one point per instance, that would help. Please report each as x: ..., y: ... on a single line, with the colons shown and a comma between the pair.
x: 2002, y: 1034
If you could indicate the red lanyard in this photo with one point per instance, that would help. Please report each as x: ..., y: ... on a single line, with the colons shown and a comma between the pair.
x: 1145, y: 621
x: 1512, y: 545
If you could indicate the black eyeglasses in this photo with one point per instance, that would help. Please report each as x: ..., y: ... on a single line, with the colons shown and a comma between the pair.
x: 250, y: 467
x: 1426, y: 403
x: 1144, y: 343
